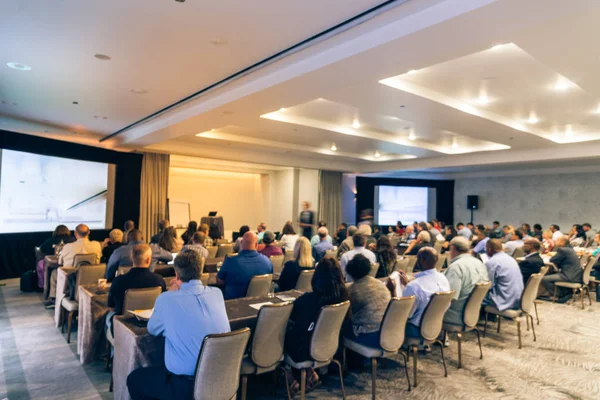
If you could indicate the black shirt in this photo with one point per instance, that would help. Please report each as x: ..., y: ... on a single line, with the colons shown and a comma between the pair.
x: 136, y: 278
x: 289, y: 275
x: 48, y: 246
x: 307, y: 217
x: 108, y: 250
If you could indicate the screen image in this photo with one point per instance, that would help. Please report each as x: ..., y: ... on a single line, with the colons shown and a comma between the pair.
x: 401, y: 203
x: 39, y: 192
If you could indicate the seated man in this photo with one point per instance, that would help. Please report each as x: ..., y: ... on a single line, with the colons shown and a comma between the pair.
x: 532, y: 262
x: 83, y: 245
x: 463, y: 231
x: 184, y: 316
x: 463, y: 273
x: 497, y: 232
x: 515, y: 242
x: 323, y: 245
x: 162, y: 225
x: 505, y: 275
x: 236, y: 272
x: 569, y: 268
x: 110, y: 244
x: 138, y: 277
x: 268, y: 249
x: 261, y: 228
x: 482, y: 239
x: 127, y: 227
x: 359, y: 241
x: 423, y: 240
x: 316, y: 239
x: 196, y: 245
x: 425, y: 284
x: 348, y: 243
x: 122, y: 255
x: 410, y: 233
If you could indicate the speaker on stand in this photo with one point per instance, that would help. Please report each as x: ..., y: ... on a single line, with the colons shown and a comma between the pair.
x: 472, y: 204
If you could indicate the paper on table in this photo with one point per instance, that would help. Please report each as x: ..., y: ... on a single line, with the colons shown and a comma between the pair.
x: 283, y: 297
x: 142, y: 315
x: 398, y: 287
x: 257, y: 306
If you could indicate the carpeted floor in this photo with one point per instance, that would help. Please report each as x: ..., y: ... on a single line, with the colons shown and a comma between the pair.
x: 564, y: 362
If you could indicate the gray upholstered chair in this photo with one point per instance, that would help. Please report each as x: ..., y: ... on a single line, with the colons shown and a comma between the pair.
x: 259, y: 285
x: 374, y: 269
x: 323, y: 345
x: 222, y: 241
x: 391, y: 337
x: 212, y: 251
x: 266, y: 349
x: 205, y: 278
x: 440, y: 262
x: 277, y: 262
x: 527, y: 307
x: 85, y: 259
x: 518, y: 253
x: 470, y: 318
x: 224, y: 249
x: 543, y: 271
x: 330, y: 253
x: 412, y: 261
x: 582, y: 287
x: 288, y: 256
x: 217, y: 374
x: 431, y: 327
x: 438, y: 246
x: 402, y: 265
x: 304, y: 282
x: 584, y: 259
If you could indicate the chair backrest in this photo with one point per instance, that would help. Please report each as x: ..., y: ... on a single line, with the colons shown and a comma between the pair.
x: 325, y: 338
x: 530, y: 293
x: 87, y: 275
x: 394, y: 241
x: 584, y: 259
x: 473, y: 306
x: 433, y: 317
x: 544, y: 269
x: 440, y: 262
x: 518, y: 253
x: 228, y: 255
x: 288, y: 256
x: 393, y: 325
x: 438, y: 246
x: 218, y: 369
x: 221, y: 241
x: 330, y: 253
x: 588, y: 270
x: 259, y: 285
x: 141, y: 299
x: 412, y: 261
x: 269, y: 334
x: 224, y: 249
x: 212, y: 251
x: 304, y: 282
x: 277, y: 262
x: 204, y: 278
x: 402, y: 265
x: 374, y: 269
x: 84, y: 259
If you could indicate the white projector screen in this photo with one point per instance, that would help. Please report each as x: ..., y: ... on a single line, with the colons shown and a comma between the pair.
x: 401, y: 203
x: 39, y: 192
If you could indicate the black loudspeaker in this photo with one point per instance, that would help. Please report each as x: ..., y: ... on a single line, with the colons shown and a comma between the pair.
x: 472, y: 202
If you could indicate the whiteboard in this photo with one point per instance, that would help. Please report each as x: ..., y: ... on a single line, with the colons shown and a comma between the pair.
x: 179, y: 213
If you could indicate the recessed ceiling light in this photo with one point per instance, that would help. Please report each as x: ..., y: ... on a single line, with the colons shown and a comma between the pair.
x: 102, y: 57
x: 139, y: 91
x: 412, y: 71
x: 532, y: 119
x: 18, y: 66
x: 282, y: 109
x: 218, y: 41
x: 569, y: 131
x: 561, y: 85
x: 212, y: 130
x: 411, y: 136
x: 483, y: 100
x: 333, y: 147
x: 454, y: 142
x: 356, y: 124
x: 597, y: 110
x: 497, y: 47
x: 180, y: 1
x: 377, y: 155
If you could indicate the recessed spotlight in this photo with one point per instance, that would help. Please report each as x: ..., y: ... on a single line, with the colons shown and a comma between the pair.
x: 412, y: 71
x: 455, y: 142
x: 356, y: 124
x: 18, y: 66
x: 597, y: 110
x: 218, y: 41
x: 569, y: 131
x: 377, y: 155
x: 411, y: 136
x: 483, y: 100
x: 497, y: 47
x: 139, y: 91
x: 102, y: 57
x: 333, y: 147
x: 282, y: 109
x: 212, y: 130
x: 532, y: 119
x: 561, y: 85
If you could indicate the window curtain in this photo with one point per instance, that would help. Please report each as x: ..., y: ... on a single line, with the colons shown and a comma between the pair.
x: 330, y: 199
x: 153, y: 192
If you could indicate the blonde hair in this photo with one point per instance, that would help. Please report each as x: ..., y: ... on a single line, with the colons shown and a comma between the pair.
x: 116, y: 235
x: 303, y: 253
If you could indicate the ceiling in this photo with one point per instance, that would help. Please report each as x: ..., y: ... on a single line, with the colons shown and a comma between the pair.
x: 430, y: 86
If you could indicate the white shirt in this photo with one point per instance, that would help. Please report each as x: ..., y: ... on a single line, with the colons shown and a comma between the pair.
x: 289, y: 241
x: 556, y: 235
x: 81, y: 246
x: 511, y: 246
x: 349, y: 255
x: 424, y: 286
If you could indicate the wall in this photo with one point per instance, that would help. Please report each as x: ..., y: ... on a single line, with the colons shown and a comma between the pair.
x: 308, y: 190
x: 282, y: 199
x: 349, y: 199
x: 563, y: 199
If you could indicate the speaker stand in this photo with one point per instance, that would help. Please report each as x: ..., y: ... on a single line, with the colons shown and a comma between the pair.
x: 473, y: 222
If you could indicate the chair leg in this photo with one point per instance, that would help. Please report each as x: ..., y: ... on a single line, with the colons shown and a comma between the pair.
x: 336, y: 362
x: 479, y: 342
x: 537, y: 317
x: 527, y: 321
x: 580, y: 290
x: 485, y: 326
x: 459, y: 341
x: 499, y: 319
x: 302, y: 383
x: 275, y: 383
x: 554, y: 297
x: 110, y: 385
x: 405, y: 356
x: 415, y: 362
x: 587, y: 289
x: 532, y: 328
x: 373, y: 378
x: 244, y: 386
x: 108, y: 348
x: 443, y: 358
x: 344, y: 366
x: 69, y: 325
x: 518, y: 321
x: 287, y: 383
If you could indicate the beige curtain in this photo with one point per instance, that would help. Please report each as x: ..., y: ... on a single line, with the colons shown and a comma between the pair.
x: 153, y: 192
x: 330, y: 199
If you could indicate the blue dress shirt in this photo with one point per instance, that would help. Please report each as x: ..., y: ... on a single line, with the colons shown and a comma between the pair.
x: 507, y: 282
x: 238, y: 271
x: 425, y: 285
x: 320, y: 248
x: 184, y: 317
x: 480, y: 246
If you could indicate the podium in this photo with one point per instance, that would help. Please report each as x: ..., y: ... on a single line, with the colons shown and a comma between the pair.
x: 218, y: 221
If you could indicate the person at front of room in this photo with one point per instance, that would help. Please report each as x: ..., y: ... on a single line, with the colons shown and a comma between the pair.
x: 306, y: 220
x: 236, y: 272
x: 184, y: 317
x: 83, y: 245
x: 505, y: 275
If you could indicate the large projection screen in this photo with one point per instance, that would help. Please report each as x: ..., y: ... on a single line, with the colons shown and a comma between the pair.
x: 401, y: 203
x: 39, y: 192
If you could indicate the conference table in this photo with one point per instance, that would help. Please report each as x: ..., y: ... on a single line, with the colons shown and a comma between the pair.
x: 136, y: 348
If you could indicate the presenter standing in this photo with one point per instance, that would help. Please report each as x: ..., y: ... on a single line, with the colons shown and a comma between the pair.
x: 306, y: 220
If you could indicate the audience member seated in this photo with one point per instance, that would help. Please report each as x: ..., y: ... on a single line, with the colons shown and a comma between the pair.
x: 122, y: 255
x: 505, y: 275
x: 547, y: 242
x: 434, y: 233
x: 196, y: 245
x: 323, y: 245
x: 316, y: 239
x: 359, y: 241
x: 515, y: 242
x: 423, y: 240
x: 463, y: 231
x: 348, y: 243
x: 61, y: 234
x: 189, y: 233
x: 578, y: 236
x: 162, y: 225
x: 526, y: 229
x: 127, y: 227
x: 366, y: 230
x: 303, y: 260
x: 377, y: 232
x: 288, y: 237
x: 328, y: 288
x: 110, y: 244
x: 482, y: 239
x: 214, y: 233
x: 237, y: 246
x: 184, y: 317
x: 400, y: 229
x: 508, y: 231
x: 537, y: 232
x: 425, y: 284
x: 589, y: 232
x: 497, y: 232
x: 463, y: 273
x: 386, y: 257
x: 369, y: 298
x: 208, y: 241
x: 260, y: 231
x: 236, y: 272
x: 470, y: 226
x: 138, y: 277
x: 340, y: 235
x: 449, y: 235
x: 556, y: 233
x: 83, y: 245
x: 410, y: 233
x: 569, y: 268
x: 169, y: 240
x: 268, y: 248
x: 532, y: 262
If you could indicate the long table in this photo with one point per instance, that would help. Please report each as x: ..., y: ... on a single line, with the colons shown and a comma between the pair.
x: 136, y: 348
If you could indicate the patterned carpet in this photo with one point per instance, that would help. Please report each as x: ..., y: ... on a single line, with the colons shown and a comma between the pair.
x: 564, y: 362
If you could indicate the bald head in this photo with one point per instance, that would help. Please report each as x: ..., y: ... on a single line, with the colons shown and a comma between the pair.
x: 141, y: 255
x: 249, y: 241
x: 323, y: 232
x: 426, y: 258
x: 82, y: 231
x: 493, y: 246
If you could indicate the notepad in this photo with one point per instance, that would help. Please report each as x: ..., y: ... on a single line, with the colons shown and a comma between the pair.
x: 257, y: 306
x: 283, y: 297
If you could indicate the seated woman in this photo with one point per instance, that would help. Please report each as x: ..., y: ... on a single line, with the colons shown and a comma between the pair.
x: 61, y: 234
x: 369, y: 298
x: 578, y: 236
x: 169, y: 240
x: 303, y: 260
x: 237, y: 246
x: 385, y: 257
x: 288, y: 237
x: 547, y: 241
x: 189, y: 233
x: 328, y: 288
